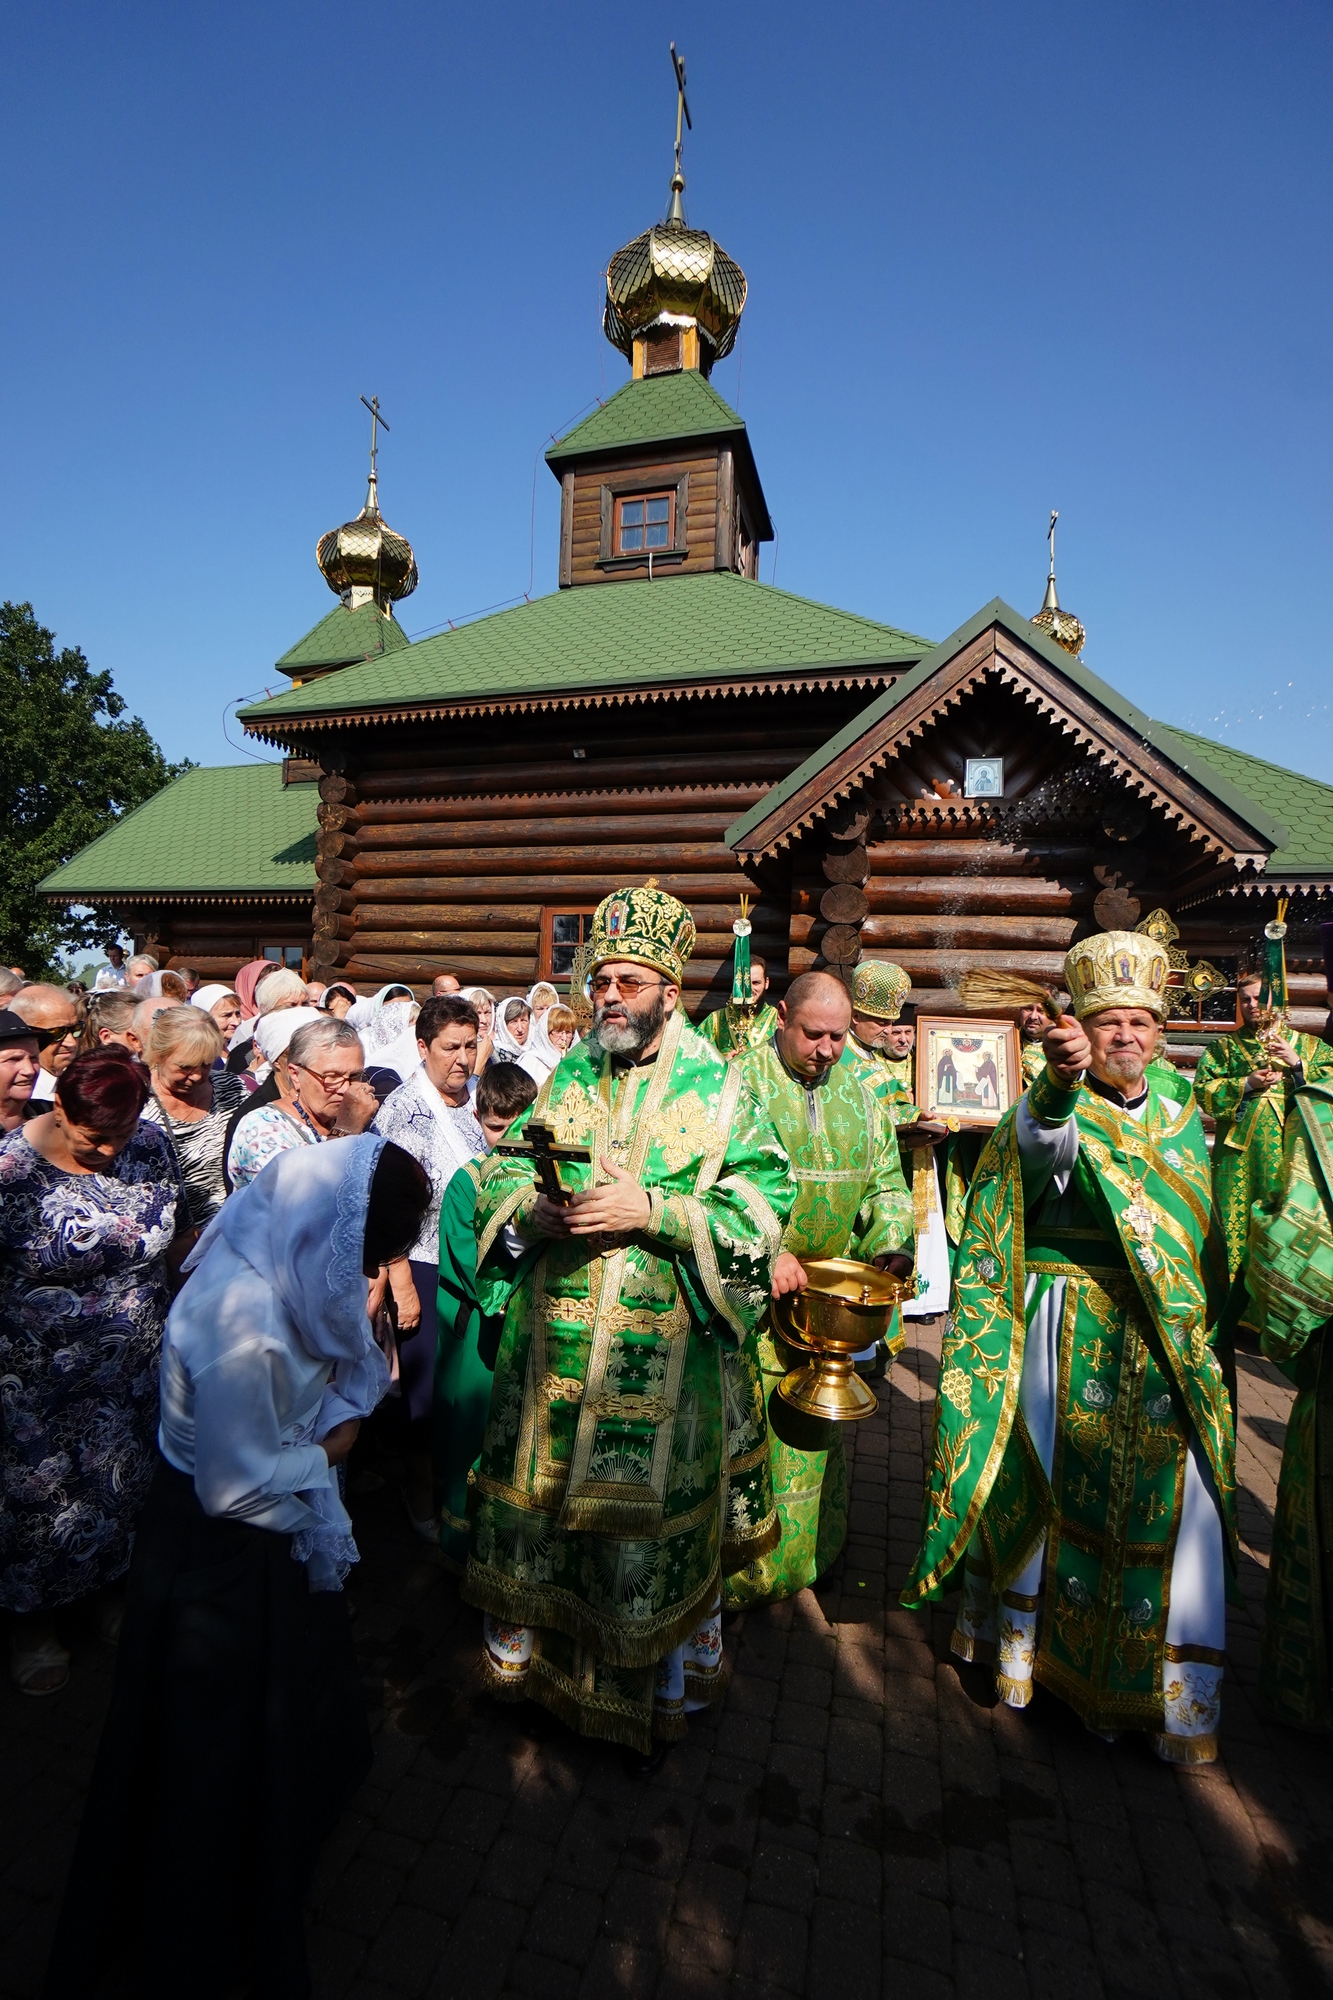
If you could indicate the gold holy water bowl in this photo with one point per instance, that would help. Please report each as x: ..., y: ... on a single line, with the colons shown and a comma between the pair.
x: 845, y: 1308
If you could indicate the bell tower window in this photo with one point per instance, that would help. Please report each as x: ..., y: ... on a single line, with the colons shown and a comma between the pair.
x: 645, y: 521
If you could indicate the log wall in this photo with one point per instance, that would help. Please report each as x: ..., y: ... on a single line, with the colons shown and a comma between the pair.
x: 450, y: 852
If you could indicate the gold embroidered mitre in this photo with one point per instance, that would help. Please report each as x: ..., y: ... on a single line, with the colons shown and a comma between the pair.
x: 1117, y: 969
x: 879, y: 989
x: 643, y: 926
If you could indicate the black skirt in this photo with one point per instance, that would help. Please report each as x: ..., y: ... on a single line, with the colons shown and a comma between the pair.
x: 236, y: 1734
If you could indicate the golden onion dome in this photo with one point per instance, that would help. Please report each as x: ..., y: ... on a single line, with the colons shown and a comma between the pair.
x: 1063, y: 627
x: 365, y: 559
x: 673, y: 275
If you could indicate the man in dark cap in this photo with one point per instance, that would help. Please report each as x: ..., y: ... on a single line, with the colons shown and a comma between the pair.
x: 20, y: 1046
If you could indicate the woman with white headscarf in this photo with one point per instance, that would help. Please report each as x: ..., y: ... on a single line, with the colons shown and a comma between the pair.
x: 551, y: 1037
x: 384, y: 1023
x: 513, y: 1022
x: 484, y: 1002
x: 237, y: 1729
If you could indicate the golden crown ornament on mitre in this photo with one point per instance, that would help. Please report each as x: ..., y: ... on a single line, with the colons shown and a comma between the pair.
x: 644, y: 927
x: 1117, y: 969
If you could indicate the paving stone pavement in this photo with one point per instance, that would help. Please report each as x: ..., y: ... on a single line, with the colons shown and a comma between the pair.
x: 857, y: 1819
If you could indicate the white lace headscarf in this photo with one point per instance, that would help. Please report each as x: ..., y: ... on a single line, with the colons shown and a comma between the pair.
x: 300, y: 1227
x: 384, y: 1023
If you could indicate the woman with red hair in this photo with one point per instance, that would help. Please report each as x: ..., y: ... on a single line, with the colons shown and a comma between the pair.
x: 90, y: 1202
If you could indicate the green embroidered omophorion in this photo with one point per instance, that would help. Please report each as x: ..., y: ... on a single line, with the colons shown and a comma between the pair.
x: 1290, y: 1278
x: 851, y: 1201
x: 625, y: 1465
x: 1142, y: 1265
x: 732, y: 1029
x: 1247, y: 1148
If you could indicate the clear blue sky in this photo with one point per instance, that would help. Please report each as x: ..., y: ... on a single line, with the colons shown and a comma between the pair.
x: 1000, y: 259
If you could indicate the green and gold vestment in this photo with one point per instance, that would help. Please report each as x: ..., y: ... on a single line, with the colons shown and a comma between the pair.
x: 625, y: 1465
x: 462, y: 1378
x: 1247, y: 1147
x: 1143, y: 1266
x: 1290, y: 1278
x: 851, y: 1201
x: 733, y: 1030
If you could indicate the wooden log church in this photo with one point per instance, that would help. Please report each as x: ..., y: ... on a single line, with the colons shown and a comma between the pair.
x: 462, y: 803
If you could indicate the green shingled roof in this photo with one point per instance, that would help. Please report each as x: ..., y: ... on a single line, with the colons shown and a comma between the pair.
x: 605, y: 636
x: 344, y: 637
x: 232, y: 827
x: 649, y: 412
x: 1303, y: 805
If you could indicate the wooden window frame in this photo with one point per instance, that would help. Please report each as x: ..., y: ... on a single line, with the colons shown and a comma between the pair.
x: 546, y: 950
x: 638, y: 486
x: 623, y: 500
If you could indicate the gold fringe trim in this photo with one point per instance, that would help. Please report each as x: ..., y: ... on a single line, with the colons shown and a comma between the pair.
x: 739, y: 1552
x: 1014, y: 1694
x: 624, y: 1518
x: 505, y: 1687
x: 619, y: 1644
x: 1185, y: 1749
x: 962, y: 1646
x: 593, y: 1717
x: 710, y: 1687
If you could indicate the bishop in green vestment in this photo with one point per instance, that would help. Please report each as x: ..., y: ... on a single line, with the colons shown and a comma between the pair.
x: 1247, y: 1087
x: 1289, y: 1273
x: 1083, y: 1456
x: 625, y: 1466
x: 851, y: 1201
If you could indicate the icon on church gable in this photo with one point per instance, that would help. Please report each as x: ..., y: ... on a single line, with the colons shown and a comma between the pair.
x: 984, y: 778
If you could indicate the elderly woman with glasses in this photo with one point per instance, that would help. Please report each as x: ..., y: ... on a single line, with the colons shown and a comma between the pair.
x: 330, y: 1097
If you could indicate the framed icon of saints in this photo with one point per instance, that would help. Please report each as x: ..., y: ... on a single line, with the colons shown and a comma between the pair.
x: 968, y: 1070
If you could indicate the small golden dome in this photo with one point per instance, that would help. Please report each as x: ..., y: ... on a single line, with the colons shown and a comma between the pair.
x: 672, y: 275
x: 365, y: 559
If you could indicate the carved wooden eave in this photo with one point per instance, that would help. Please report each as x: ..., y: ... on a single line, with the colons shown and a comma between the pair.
x: 1001, y: 647
x: 181, y: 898
x: 286, y: 730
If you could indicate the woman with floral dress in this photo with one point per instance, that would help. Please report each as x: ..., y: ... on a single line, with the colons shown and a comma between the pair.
x: 90, y: 1203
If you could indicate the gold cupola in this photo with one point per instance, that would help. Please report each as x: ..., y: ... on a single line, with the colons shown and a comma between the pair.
x: 1063, y: 627
x: 364, y: 561
x: 674, y: 298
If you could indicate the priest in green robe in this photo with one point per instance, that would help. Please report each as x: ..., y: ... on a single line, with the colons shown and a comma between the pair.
x: 880, y: 1035
x: 1246, y: 1082
x: 1083, y: 1458
x: 851, y: 1201
x: 462, y: 1390
x: 625, y: 1466
x: 748, y: 1019
x: 1289, y: 1273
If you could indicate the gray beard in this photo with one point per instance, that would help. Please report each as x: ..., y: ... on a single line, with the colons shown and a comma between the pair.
x: 1124, y: 1070
x: 634, y: 1036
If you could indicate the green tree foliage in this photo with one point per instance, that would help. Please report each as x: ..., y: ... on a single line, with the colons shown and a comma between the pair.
x: 71, y: 763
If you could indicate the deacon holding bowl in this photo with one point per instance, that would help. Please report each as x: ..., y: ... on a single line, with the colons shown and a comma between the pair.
x: 852, y: 1202
x: 625, y: 1465
x: 1083, y: 1458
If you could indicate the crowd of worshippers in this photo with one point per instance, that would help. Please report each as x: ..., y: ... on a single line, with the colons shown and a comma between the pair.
x: 232, y: 1228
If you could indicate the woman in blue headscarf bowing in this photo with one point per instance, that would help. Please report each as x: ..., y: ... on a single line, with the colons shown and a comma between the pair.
x: 237, y: 1730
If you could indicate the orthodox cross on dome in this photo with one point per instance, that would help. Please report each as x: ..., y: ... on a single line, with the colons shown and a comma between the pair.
x: 1063, y: 627
x: 676, y: 213
x: 377, y: 423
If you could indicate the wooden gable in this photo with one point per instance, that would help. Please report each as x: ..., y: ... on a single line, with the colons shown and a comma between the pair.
x: 1095, y: 824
